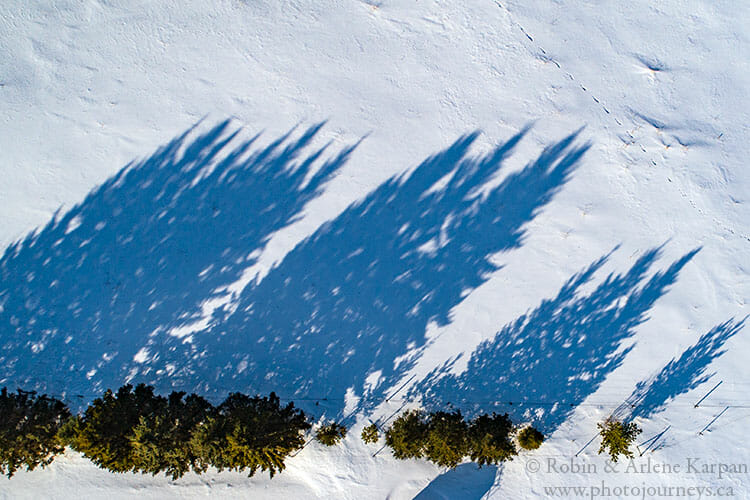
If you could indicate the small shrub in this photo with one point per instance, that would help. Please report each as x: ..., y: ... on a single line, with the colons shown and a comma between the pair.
x: 490, y: 439
x: 617, y: 437
x: 530, y: 439
x: 370, y: 434
x: 330, y: 434
x: 28, y: 430
x: 447, y: 441
x: 407, y: 437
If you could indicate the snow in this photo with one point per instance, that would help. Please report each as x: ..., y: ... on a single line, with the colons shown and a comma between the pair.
x: 397, y: 248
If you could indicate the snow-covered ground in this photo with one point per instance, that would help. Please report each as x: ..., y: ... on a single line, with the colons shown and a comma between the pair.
x: 543, y: 203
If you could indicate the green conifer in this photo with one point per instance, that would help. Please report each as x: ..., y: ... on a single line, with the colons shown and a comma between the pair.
x: 103, y: 433
x: 161, y: 440
x: 617, y: 436
x: 330, y: 434
x: 407, y: 437
x: 28, y: 430
x: 370, y: 434
x: 447, y: 439
x: 490, y: 439
x: 530, y: 438
x: 250, y: 433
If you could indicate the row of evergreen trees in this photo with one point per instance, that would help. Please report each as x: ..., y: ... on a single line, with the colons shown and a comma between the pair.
x: 136, y: 430
x: 446, y: 438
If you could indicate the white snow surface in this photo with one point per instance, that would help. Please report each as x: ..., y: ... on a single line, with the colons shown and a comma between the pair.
x: 657, y: 93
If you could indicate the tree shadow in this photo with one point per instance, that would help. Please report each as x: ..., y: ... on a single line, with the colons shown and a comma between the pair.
x: 545, y: 363
x: 80, y: 297
x: 681, y: 375
x: 90, y: 300
x: 349, y: 301
x: 540, y: 367
x: 467, y: 481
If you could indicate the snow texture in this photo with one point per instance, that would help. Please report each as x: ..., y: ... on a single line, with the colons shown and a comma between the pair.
x: 538, y: 208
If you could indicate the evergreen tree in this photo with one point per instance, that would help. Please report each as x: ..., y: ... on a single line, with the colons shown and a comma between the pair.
x: 28, y: 430
x: 617, y: 437
x: 250, y: 433
x: 447, y: 439
x: 530, y: 439
x: 407, y: 437
x: 330, y: 434
x: 103, y: 433
x: 161, y: 440
x: 490, y: 439
x: 370, y: 434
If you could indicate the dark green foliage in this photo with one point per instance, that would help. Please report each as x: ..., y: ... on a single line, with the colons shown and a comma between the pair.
x: 330, y: 434
x: 490, y: 439
x: 530, y: 438
x: 161, y: 440
x: 103, y: 433
x: 370, y: 434
x: 142, y: 432
x: 617, y: 437
x: 28, y: 429
x: 137, y: 430
x: 250, y: 433
x: 407, y: 437
x: 447, y: 439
